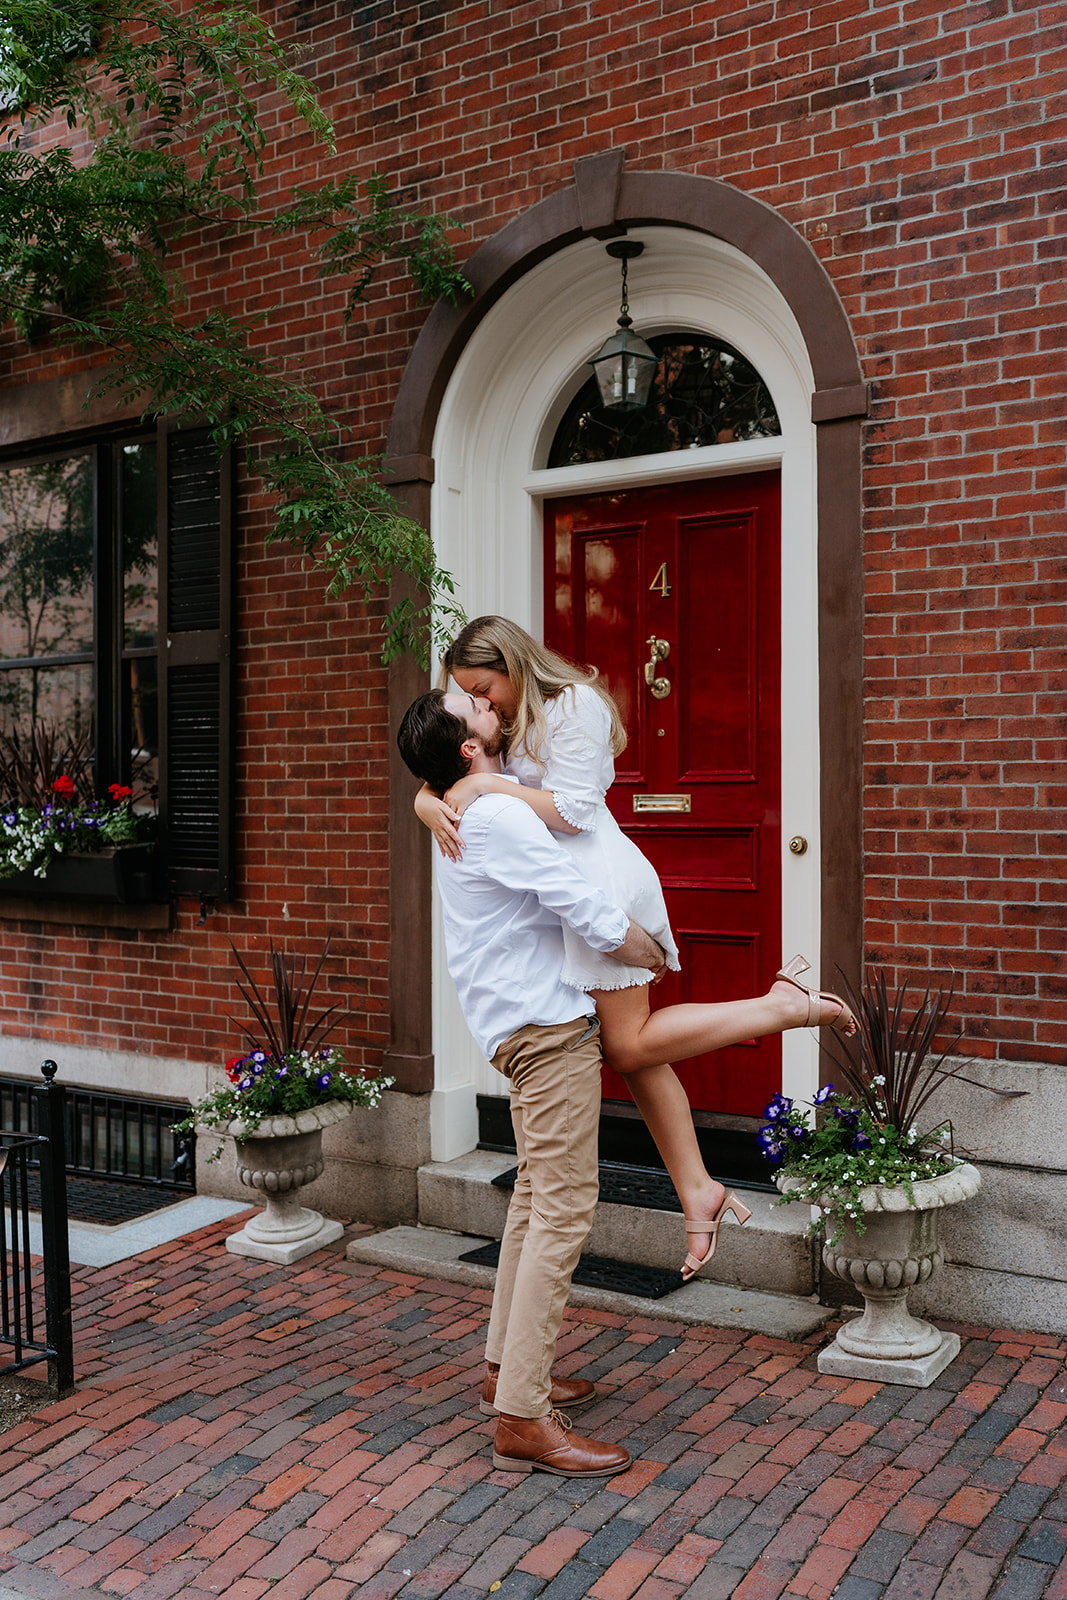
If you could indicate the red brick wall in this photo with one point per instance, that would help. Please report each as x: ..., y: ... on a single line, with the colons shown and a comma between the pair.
x: 919, y: 149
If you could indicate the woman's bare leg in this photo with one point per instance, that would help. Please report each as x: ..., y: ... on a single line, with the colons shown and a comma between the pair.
x: 664, y: 1105
x: 631, y: 1033
x: 634, y: 1036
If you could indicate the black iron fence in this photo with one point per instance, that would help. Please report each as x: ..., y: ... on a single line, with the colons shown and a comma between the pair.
x: 35, y: 1320
x: 111, y: 1135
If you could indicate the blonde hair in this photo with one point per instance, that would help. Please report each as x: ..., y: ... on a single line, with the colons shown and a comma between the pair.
x: 538, y: 675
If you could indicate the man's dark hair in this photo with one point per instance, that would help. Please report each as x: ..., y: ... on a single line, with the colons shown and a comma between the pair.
x: 429, y: 741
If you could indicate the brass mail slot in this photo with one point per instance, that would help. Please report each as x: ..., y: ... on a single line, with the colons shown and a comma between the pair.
x: 662, y: 802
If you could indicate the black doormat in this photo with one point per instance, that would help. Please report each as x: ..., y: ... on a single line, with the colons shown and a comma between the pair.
x: 623, y: 1186
x: 106, y: 1200
x: 730, y: 1154
x: 597, y: 1272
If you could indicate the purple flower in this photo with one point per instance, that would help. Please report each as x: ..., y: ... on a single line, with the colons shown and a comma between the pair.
x: 258, y: 1055
x: 847, y: 1115
x: 861, y: 1141
x: 779, y: 1107
x: 821, y: 1096
x: 282, y: 1072
x: 247, y: 1083
x: 798, y: 1133
x: 770, y: 1144
x: 324, y: 1080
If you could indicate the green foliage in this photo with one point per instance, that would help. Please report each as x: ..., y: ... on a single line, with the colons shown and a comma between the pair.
x: 872, y: 1134
x: 279, y: 1086
x: 830, y: 1157
x: 164, y: 141
x: 48, y: 807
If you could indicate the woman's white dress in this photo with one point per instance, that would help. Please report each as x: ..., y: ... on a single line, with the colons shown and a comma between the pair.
x: 579, y: 770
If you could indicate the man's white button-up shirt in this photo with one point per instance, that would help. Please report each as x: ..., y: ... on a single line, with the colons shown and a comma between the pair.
x: 504, y: 904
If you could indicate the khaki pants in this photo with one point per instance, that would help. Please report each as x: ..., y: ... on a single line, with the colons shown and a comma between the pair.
x: 555, y: 1109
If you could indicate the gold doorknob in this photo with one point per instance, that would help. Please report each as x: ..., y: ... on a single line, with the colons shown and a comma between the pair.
x: 798, y: 844
x: 659, y: 651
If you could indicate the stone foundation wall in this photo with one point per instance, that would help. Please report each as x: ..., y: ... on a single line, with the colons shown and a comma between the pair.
x: 1006, y: 1263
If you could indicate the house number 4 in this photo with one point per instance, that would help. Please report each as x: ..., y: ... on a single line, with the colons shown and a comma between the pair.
x: 659, y: 584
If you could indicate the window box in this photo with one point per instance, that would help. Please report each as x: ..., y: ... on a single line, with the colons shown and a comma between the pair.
x: 125, y: 874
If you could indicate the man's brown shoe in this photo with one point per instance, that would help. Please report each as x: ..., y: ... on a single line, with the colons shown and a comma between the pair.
x: 545, y: 1444
x: 567, y: 1393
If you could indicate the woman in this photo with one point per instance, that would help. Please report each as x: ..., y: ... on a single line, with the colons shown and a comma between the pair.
x: 564, y: 731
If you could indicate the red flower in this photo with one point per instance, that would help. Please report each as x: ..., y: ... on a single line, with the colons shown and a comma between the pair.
x: 235, y: 1063
x: 63, y: 787
x: 119, y: 792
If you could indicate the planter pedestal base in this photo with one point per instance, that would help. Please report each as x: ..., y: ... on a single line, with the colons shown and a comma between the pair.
x: 323, y: 1232
x: 915, y: 1372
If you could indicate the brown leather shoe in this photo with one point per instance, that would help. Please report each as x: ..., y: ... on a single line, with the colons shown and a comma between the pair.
x: 545, y: 1444
x: 567, y: 1393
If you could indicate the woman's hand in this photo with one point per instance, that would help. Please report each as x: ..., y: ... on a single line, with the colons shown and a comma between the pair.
x: 435, y: 814
x: 467, y: 790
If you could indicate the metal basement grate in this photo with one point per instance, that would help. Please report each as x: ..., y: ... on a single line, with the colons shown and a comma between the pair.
x: 102, y: 1200
x: 597, y: 1272
x: 623, y: 1186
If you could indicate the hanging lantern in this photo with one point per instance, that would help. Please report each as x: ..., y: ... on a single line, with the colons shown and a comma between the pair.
x: 624, y: 365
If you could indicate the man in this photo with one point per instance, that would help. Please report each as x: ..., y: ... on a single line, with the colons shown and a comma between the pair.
x: 505, y: 903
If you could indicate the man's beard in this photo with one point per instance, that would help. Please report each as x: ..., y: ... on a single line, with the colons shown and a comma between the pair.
x: 495, y: 743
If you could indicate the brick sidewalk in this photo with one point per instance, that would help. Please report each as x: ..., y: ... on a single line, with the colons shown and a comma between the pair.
x: 244, y: 1430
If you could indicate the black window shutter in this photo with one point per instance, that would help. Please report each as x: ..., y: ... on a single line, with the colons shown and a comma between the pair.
x: 195, y: 662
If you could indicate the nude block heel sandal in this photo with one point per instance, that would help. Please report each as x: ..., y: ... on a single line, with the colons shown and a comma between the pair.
x: 694, y: 1263
x: 843, y: 1022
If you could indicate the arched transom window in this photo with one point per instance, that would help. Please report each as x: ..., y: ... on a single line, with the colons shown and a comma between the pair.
x: 704, y: 392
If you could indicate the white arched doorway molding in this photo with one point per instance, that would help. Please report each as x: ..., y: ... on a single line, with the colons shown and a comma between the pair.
x: 518, y: 370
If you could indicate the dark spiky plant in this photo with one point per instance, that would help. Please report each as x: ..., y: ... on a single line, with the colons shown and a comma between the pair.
x: 892, y: 1065
x: 288, y: 1066
x: 31, y: 762
x: 286, y: 1025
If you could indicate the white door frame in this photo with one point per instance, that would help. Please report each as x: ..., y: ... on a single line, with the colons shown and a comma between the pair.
x: 522, y: 365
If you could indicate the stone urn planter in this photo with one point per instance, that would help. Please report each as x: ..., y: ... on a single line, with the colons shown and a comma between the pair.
x: 898, y: 1249
x: 284, y: 1154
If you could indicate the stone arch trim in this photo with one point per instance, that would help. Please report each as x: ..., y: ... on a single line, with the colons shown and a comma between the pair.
x: 605, y: 200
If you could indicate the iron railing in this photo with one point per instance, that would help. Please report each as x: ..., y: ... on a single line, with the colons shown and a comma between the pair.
x: 21, y: 1287
x: 111, y: 1135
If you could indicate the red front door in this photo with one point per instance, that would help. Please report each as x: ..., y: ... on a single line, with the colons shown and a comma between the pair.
x: 694, y: 567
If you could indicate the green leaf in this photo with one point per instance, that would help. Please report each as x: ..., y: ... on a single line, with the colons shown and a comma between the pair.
x: 167, y: 104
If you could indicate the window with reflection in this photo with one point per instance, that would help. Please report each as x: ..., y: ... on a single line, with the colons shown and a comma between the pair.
x: 79, y: 602
x: 704, y: 393
x: 108, y: 548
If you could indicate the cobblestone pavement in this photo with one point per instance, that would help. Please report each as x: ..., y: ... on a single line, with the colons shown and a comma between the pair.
x: 246, y: 1430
